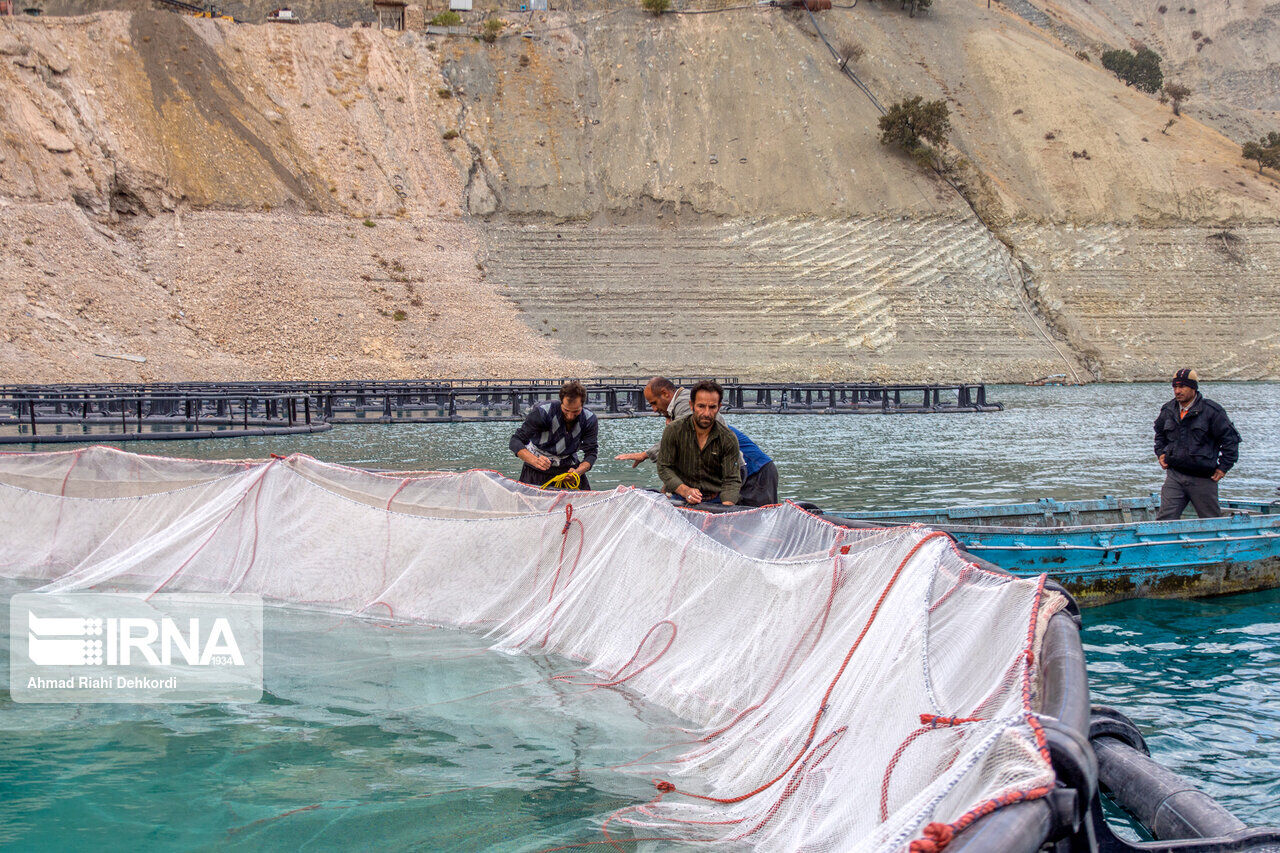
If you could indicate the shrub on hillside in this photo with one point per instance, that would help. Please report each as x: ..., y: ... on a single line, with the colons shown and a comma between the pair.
x: 446, y: 19
x: 849, y: 51
x: 1177, y: 93
x: 1140, y: 70
x: 1266, y: 151
x: 492, y: 27
x: 909, y: 122
x: 656, y: 7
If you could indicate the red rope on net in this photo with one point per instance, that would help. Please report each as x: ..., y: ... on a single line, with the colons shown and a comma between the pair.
x: 893, y: 764
x: 62, y: 493
x: 253, y: 551
x: 615, y: 679
x: 256, y: 484
x: 569, y: 521
x: 938, y: 835
x: 675, y: 584
x: 812, y: 760
x: 564, y: 533
x: 929, y: 723
x: 822, y: 707
x: 819, y: 621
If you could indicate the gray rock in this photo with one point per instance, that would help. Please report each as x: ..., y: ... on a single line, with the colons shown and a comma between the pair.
x: 10, y: 46
x: 57, y: 62
x: 54, y: 141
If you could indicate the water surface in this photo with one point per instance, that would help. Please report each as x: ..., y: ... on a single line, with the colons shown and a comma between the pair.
x: 368, y: 736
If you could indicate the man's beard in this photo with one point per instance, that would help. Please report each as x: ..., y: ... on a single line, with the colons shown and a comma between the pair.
x: 702, y: 422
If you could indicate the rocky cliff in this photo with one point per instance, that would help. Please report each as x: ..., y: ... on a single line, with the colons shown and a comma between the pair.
x: 603, y: 190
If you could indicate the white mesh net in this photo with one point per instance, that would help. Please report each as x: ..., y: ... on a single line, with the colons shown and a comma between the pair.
x: 811, y: 660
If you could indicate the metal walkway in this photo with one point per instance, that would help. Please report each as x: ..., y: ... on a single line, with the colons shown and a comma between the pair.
x: 119, y: 412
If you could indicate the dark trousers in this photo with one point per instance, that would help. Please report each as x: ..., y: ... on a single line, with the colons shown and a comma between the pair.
x: 761, y: 488
x: 534, y: 477
x: 1180, y: 489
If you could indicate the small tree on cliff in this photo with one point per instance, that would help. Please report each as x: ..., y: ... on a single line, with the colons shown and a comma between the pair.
x: 1266, y: 151
x: 849, y: 51
x: 656, y: 7
x: 1177, y: 93
x: 908, y: 124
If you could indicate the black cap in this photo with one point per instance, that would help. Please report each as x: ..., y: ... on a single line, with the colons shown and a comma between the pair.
x: 1187, y: 376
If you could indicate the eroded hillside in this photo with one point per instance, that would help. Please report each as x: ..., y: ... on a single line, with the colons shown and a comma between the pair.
x: 585, y: 195
x: 1228, y: 53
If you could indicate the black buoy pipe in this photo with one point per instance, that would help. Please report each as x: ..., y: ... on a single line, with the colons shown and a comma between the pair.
x: 1161, y: 800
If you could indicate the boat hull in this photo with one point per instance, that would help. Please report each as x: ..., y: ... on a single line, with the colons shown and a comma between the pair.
x: 1104, y: 563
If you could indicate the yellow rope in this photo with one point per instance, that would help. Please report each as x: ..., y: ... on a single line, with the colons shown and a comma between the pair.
x: 567, y: 480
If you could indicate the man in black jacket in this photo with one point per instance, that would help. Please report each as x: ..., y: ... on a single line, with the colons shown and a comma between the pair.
x: 1196, y: 444
x: 553, y: 433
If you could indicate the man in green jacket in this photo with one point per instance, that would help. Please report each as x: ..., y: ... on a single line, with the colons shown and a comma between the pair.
x: 698, y: 457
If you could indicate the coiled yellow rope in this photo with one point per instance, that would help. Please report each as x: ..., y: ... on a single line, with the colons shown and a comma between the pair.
x: 567, y: 480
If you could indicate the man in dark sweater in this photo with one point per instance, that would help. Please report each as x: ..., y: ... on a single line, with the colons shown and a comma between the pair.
x: 1196, y: 444
x: 698, y: 457
x: 552, y: 434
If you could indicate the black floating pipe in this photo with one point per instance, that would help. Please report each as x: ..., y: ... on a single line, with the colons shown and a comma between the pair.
x: 1162, y: 801
x: 1025, y: 827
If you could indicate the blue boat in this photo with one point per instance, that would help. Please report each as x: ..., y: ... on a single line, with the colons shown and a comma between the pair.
x: 1113, y: 549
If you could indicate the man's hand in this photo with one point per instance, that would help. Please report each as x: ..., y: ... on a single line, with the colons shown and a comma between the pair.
x: 583, y: 468
x: 1218, y: 475
x: 727, y: 503
x: 692, y: 496
x: 1163, y: 464
x: 542, y: 463
x: 634, y: 458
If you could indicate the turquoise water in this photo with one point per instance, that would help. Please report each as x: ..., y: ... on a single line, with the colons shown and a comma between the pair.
x: 1202, y: 681
x: 368, y: 737
x: 346, y: 749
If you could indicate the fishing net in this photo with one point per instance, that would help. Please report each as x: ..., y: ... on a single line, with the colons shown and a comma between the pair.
x: 844, y: 689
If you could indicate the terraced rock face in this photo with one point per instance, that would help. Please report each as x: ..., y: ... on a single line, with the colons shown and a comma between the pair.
x: 850, y: 299
x: 1142, y: 302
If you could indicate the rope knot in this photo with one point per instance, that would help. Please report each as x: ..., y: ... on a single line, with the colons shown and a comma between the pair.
x: 568, y: 519
x: 936, y: 837
x: 844, y: 549
x: 664, y: 786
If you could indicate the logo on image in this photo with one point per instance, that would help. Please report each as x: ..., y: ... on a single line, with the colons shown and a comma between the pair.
x: 99, y: 647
